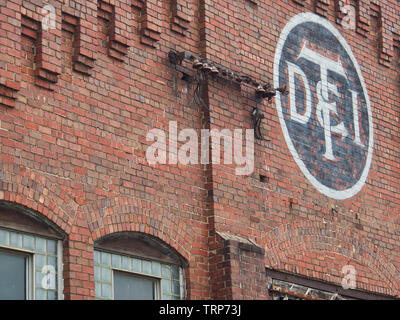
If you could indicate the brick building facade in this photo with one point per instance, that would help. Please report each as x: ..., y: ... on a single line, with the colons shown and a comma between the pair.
x: 82, y: 83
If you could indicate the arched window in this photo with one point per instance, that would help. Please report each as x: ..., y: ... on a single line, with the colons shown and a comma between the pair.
x: 136, y: 266
x: 30, y: 255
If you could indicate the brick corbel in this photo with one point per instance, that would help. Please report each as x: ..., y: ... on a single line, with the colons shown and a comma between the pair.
x: 321, y: 7
x: 118, y: 14
x: 10, y: 47
x: 83, y: 24
x: 386, y: 48
x: 47, y: 66
x: 363, y: 17
x: 181, y: 16
x: 300, y: 2
x: 48, y: 51
x: 150, y: 20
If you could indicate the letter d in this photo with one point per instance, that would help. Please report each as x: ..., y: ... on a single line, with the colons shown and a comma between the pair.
x: 300, y: 118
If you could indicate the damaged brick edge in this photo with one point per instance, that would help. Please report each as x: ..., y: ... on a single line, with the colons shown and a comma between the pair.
x: 242, y: 243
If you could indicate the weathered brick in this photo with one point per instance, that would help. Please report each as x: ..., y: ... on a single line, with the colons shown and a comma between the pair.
x: 85, y: 95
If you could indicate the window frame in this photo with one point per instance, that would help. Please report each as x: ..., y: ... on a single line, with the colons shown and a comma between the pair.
x: 29, y: 268
x: 181, y: 279
x: 30, y: 276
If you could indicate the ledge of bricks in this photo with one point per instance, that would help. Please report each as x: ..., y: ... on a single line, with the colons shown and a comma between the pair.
x: 150, y: 26
x: 48, y: 64
x: 181, y: 14
x: 300, y: 2
x: 363, y: 15
x: 242, y: 243
x: 322, y: 7
x: 81, y: 19
x: 10, y: 35
x: 119, y: 19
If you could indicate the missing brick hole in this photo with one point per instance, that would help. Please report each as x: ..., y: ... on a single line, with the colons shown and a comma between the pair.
x: 264, y: 179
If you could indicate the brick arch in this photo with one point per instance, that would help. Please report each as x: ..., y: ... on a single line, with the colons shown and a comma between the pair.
x: 316, y: 239
x: 36, y: 192
x: 121, y: 214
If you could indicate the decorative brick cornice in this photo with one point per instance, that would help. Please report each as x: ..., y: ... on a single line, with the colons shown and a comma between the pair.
x: 181, y: 16
x: 10, y: 40
x: 81, y: 62
x: 118, y: 15
x: 47, y: 57
x: 48, y: 48
x: 363, y: 14
x: 321, y: 7
x: 81, y: 20
x: 150, y: 23
x: 300, y: 2
x: 384, y: 34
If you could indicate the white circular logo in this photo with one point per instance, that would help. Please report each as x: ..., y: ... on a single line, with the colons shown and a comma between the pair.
x: 326, y: 117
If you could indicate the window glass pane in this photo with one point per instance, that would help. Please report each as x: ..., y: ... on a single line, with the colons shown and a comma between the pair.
x: 105, y: 258
x: 40, y: 294
x: 28, y: 242
x: 40, y: 245
x: 126, y: 263
x: 52, y: 261
x: 98, y: 290
x: 156, y: 268
x: 97, y: 273
x: 106, y: 290
x: 97, y: 257
x: 15, y: 240
x: 166, y: 271
x: 146, y: 266
x: 105, y: 275
x: 116, y: 261
x: 38, y: 278
x: 12, y: 276
x: 166, y: 286
x: 136, y: 265
x: 175, y: 272
x: 51, y: 247
x: 40, y: 261
x: 51, y: 295
x: 131, y: 287
x: 4, y: 237
x: 176, y: 289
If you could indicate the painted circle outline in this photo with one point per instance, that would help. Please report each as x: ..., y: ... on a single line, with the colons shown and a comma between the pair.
x: 329, y: 192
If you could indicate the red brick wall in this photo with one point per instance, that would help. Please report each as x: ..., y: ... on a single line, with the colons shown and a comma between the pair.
x: 78, y: 101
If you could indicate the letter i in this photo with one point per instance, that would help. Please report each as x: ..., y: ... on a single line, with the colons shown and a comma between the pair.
x: 357, y: 139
